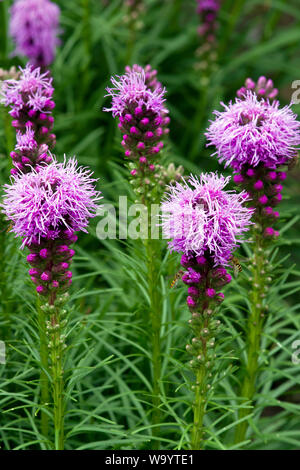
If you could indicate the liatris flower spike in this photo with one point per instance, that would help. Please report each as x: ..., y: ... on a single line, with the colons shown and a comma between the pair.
x: 46, y: 208
x: 256, y: 138
x: 206, y: 52
x: 263, y: 88
x: 34, y: 26
x: 30, y: 100
x: 142, y: 120
x: 205, y: 223
x: 207, y: 10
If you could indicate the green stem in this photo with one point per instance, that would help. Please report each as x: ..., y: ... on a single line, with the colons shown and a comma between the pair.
x: 253, y: 340
x: 8, y: 130
x: 44, y: 382
x: 199, y: 409
x: 3, y: 29
x: 3, y: 281
x: 56, y: 345
x: 153, y: 254
x: 205, y: 328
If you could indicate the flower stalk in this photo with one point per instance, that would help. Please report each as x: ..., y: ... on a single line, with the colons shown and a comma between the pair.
x: 56, y: 324
x: 44, y: 381
x: 205, y: 223
x: 153, y: 253
x: 46, y: 207
x: 253, y: 338
x: 256, y: 138
x: 138, y: 103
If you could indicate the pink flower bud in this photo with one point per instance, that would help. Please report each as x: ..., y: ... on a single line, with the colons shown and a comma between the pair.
x: 272, y: 175
x: 33, y: 272
x: 192, y: 290
x: 149, y: 135
x: 258, y: 185
x: 191, y: 302
x: 282, y: 175
x: 145, y: 121
x: 44, y: 253
x: 45, y: 276
x: 32, y: 258
x: 210, y: 292
x: 238, y: 179
x: 250, y: 172
x: 269, y: 232
x: 263, y: 199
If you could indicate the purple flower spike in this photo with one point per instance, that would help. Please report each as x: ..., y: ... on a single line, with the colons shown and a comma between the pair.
x: 138, y: 103
x: 42, y: 204
x: 252, y: 132
x: 131, y: 91
x: 34, y: 27
x: 30, y: 101
x: 199, y: 217
x: 46, y: 207
x: 205, y: 223
x: 264, y: 88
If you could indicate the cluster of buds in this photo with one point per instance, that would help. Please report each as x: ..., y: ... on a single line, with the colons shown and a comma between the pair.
x: 160, y: 179
x: 166, y: 176
x: 31, y: 103
x: 263, y: 88
x: 204, y: 282
x: 143, y: 121
x: 50, y: 261
x: 264, y: 187
x: 55, y: 326
x: 134, y: 11
x: 206, y: 52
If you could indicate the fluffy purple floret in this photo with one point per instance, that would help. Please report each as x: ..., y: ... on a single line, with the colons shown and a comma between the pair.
x: 131, y: 89
x: 59, y: 196
x: 26, y: 142
x: 253, y: 132
x: 34, y: 26
x: 199, y: 216
x: 33, y: 89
